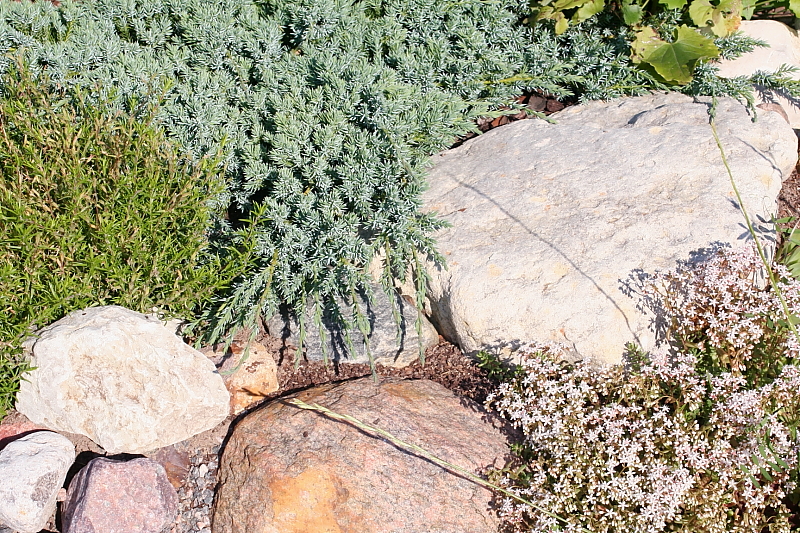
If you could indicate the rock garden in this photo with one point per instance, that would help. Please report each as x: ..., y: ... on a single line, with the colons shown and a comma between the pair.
x: 392, y: 266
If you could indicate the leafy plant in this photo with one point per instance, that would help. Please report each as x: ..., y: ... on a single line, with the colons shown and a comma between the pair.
x: 673, y: 61
x: 667, y: 37
x: 96, y: 208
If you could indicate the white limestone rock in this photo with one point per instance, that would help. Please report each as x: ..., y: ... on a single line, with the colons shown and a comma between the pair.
x: 32, y: 469
x: 122, y: 380
x: 549, y: 218
x: 784, y: 48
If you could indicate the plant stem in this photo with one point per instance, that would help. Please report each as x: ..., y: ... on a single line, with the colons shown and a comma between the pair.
x: 424, y: 453
x: 772, y: 278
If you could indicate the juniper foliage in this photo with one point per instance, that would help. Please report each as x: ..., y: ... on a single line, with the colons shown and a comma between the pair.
x: 328, y: 109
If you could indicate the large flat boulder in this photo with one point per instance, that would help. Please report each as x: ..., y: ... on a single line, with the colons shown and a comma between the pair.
x: 548, y: 220
x: 288, y: 470
x: 122, y: 380
x: 783, y: 49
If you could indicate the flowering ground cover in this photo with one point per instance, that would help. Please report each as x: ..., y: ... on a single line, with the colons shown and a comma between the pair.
x: 702, y: 437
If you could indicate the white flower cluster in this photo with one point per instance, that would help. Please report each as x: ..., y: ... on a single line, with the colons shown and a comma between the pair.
x: 657, y: 448
x: 719, y: 303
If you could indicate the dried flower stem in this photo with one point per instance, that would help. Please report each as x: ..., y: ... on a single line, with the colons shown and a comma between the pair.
x: 424, y: 453
x: 773, y: 280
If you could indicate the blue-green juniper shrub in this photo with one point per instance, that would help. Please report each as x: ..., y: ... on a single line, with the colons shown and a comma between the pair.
x: 328, y: 111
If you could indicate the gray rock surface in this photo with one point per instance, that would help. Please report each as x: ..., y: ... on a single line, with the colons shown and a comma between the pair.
x: 32, y: 469
x: 549, y: 219
x: 384, y: 344
x: 109, y: 496
x: 287, y: 470
x: 122, y: 380
x: 783, y: 49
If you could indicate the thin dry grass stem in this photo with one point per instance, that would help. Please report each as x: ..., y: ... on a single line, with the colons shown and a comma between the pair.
x: 770, y: 272
x: 421, y: 451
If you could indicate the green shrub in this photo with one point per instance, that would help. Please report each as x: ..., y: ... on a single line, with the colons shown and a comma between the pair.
x: 96, y: 208
x: 330, y: 110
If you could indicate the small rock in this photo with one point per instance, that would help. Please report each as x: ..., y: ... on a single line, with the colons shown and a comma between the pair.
x: 175, y: 463
x: 122, y: 380
x: 287, y: 470
x: 109, y: 496
x: 255, y: 377
x: 32, y: 470
x: 12, y: 431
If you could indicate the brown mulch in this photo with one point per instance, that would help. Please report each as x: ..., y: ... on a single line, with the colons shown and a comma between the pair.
x: 541, y: 103
x: 444, y: 364
x: 789, y: 197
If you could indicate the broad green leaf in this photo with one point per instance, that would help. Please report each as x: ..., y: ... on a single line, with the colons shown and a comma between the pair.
x: 722, y: 19
x: 562, y: 23
x: 748, y: 8
x: 673, y: 4
x: 561, y: 5
x: 632, y: 13
x: 674, y: 61
x: 645, y: 39
x: 542, y: 13
x: 794, y: 7
x: 588, y: 10
x: 700, y: 11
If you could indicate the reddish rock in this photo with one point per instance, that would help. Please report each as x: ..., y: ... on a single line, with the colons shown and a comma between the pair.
x: 110, y: 496
x: 537, y: 103
x: 175, y: 462
x: 554, y: 105
x: 14, y: 430
x: 288, y: 470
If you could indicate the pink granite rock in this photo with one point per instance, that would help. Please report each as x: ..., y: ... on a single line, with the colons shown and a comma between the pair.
x: 15, y: 430
x: 286, y: 470
x: 110, y: 496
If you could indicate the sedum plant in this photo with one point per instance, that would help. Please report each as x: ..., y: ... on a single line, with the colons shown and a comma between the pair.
x: 724, y: 313
x: 96, y: 208
x: 703, y: 438
x: 657, y: 447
